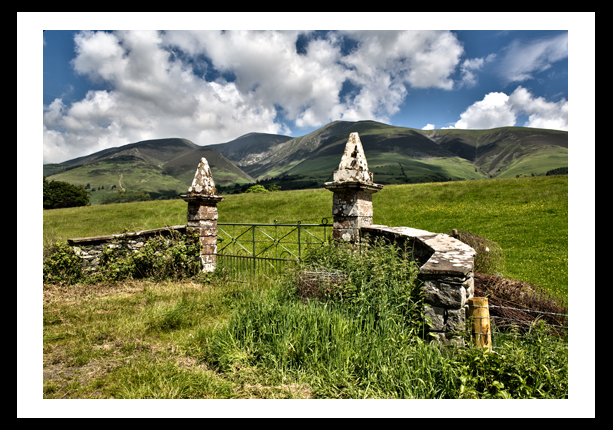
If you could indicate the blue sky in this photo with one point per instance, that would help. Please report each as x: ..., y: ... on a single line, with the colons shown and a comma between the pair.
x: 109, y: 88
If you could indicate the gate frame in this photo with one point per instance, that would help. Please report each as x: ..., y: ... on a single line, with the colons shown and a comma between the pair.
x: 253, y: 255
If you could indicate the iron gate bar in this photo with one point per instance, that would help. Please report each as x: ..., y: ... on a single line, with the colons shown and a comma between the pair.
x: 229, y: 250
x: 278, y: 241
x: 274, y: 241
x: 233, y: 239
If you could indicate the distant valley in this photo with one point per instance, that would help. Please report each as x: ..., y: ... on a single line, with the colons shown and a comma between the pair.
x: 164, y: 168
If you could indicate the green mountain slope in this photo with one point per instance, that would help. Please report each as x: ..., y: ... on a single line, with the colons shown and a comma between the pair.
x: 249, y: 150
x: 399, y: 155
x: 396, y: 155
x: 123, y: 173
x: 163, y: 168
x: 507, y: 151
x: 224, y: 171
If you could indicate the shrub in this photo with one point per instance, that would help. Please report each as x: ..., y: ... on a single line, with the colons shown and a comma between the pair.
x: 256, y: 189
x: 59, y: 194
x: 62, y: 265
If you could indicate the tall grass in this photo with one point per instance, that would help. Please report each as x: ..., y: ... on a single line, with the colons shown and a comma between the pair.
x: 364, y: 339
x: 206, y: 337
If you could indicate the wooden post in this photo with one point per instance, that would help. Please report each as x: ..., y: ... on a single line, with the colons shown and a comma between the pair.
x: 479, y: 315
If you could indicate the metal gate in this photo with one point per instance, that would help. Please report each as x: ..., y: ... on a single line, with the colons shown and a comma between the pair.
x: 246, y: 249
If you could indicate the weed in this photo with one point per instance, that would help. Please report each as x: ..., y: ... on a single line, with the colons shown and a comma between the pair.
x: 62, y: 265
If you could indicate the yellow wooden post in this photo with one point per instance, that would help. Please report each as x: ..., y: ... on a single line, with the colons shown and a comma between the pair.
x: 479, y: 315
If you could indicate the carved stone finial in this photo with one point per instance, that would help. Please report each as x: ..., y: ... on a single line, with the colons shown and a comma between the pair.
x: 353, y: 166
x: 203, y: 183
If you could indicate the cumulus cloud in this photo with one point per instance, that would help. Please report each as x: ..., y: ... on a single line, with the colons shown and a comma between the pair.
x: 158, y: 83
x: 498, y: 109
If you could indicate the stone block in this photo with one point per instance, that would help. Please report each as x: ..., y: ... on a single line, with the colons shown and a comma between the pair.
x: 201, y: 211
x: 436, y: 315
x: 446, y: 320
x: 204, y: 231
x: 346, y: 235
x: 208, y: 240
x: 353, y: 175
x: 345, y: 222
x: 202, y: 224
x: 444, y: 294
x: 455, y: 320
x: 208, y: 259
x: 208, y: 249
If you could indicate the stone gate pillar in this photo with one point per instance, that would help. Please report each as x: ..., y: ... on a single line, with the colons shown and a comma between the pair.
x: 353, y: 188
x: 202, y: 202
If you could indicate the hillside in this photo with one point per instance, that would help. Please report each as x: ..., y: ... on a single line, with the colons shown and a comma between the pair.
x: 400, y: 155
x: 506, y: 152
x: 184, y: 166
x: 396, y: 155
x: 250, y: 150
x: 163, y: 168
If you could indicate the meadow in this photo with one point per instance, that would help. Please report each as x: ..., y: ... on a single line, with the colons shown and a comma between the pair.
x: 526, y: 217
x: 208, y: 337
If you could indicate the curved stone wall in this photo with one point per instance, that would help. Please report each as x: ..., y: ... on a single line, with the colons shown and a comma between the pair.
x: 447, y: 272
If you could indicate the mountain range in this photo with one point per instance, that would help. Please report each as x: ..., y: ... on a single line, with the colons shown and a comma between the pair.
x: 164, y: 168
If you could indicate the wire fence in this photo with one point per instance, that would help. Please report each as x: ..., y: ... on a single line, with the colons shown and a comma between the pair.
x: 506, y: 321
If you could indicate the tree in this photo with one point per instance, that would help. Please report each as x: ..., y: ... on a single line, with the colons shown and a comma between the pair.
x: 256, y: 189
x: 59, y: 194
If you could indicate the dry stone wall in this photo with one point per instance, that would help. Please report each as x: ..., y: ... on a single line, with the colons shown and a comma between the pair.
x: 201, y: 218
x: 446, y: 270
x: 89, y: 249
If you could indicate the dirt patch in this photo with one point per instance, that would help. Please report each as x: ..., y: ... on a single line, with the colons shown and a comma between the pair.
x: 78, y: 293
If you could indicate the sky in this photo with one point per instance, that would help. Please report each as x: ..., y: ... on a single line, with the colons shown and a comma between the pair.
x: 105, y: 89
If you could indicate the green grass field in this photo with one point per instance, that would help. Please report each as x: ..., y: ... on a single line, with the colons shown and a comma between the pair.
x: 527, y: 217
x: 209, y: 338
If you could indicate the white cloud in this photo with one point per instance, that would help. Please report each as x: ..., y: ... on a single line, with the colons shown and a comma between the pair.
x: 153, y: 91
x: 428, y: 127
x: 541, y: 113
x: 523, y: 60
x: 499, y: 110
x: 493, y: 111
x: 469, y: 67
